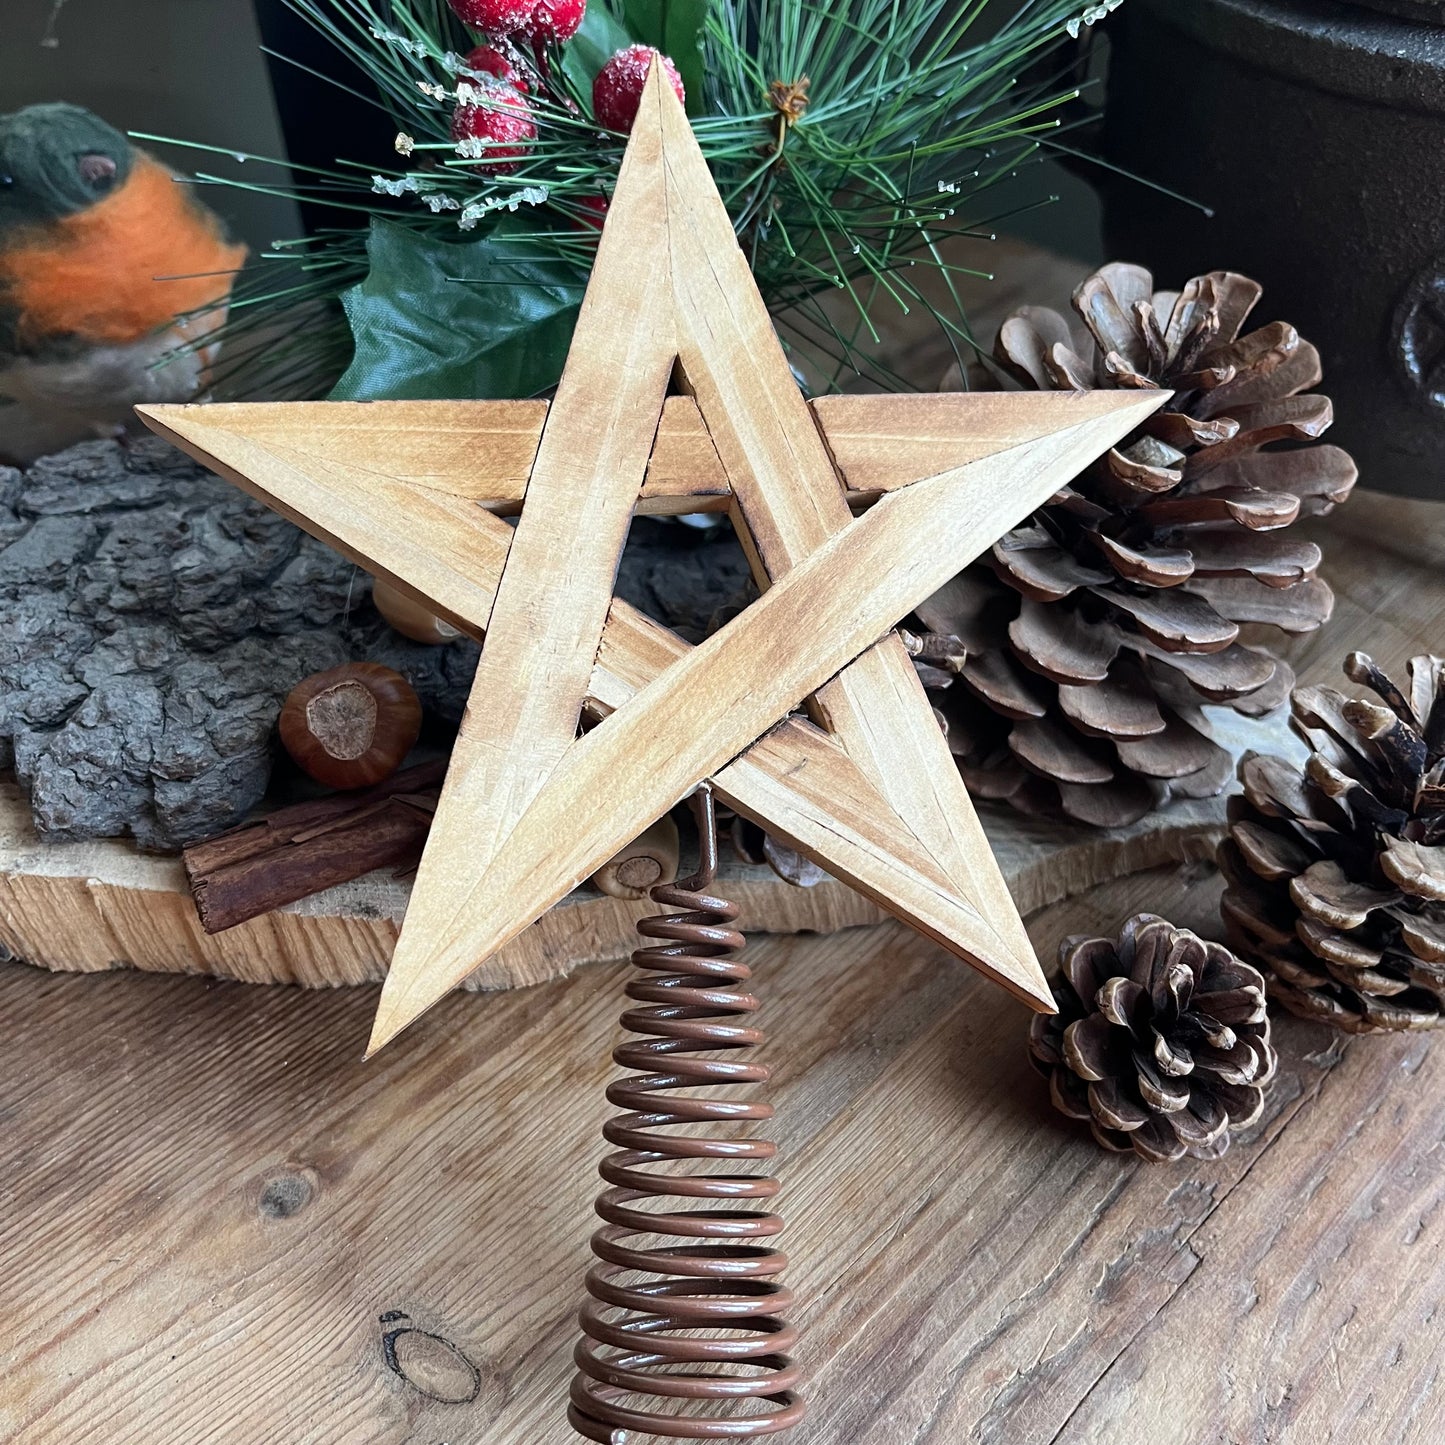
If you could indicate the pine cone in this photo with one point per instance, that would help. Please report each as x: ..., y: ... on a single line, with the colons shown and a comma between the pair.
x: 755, y: 846
x: 1097, y: 629
x: 1161, y: 1042
x: 1337, y: 876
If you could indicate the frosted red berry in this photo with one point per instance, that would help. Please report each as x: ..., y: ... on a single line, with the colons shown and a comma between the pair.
x: 617, y: 91
x: 503, y: 123
x: 593, y: 212
x: 494, y: 17
x: 491, y: 61
x: 555, y: 21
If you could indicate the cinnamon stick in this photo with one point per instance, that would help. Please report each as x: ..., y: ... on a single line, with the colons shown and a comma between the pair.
x: 307, y: 847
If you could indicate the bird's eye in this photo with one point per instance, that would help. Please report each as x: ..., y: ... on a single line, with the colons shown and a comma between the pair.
x: 6, y: 181
x: 97, y: 171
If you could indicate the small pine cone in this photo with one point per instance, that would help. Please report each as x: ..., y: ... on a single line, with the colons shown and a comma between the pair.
x: 1098, y: 629
x: 1161, y: 1042
x: 1336, y: 876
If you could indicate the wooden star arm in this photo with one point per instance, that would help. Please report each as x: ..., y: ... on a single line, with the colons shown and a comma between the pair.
x: 762, y: 429
x: 796, y: 780
x: 545, y: 628
x: 484, y: 450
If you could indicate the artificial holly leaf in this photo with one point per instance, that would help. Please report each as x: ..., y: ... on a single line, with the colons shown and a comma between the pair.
x: 674, y: 27
x: 445, y: 321
x: 599, y: 38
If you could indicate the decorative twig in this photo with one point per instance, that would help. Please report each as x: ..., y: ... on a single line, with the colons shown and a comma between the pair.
x: 303, y: 849
x: 306, y: 848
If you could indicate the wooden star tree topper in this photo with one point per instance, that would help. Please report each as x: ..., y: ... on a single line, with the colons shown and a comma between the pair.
x: 862, y: 780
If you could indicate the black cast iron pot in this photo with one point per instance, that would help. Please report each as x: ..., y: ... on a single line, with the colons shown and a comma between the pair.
x: 1316, y: 133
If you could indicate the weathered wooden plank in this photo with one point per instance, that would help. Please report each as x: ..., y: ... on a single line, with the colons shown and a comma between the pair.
x: 1384, y: 557
x: 1311, y: 1312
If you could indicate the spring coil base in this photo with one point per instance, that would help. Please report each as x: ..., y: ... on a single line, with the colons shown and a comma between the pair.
x: 705, y: 1326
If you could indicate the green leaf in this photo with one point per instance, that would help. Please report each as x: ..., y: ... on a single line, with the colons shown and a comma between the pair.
x: 674, y: 27
x: 601, y: 36
x: 436, y: 320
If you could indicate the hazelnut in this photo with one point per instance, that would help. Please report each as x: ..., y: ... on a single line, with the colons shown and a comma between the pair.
x: 351, y: 726
x: 647, y: 861
x: 409, y: 617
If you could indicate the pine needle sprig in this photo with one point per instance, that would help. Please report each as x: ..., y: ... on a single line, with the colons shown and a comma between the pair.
x: 850, y: 139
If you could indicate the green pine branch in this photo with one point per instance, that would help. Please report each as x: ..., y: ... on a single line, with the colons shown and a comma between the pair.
x: 913, y: 111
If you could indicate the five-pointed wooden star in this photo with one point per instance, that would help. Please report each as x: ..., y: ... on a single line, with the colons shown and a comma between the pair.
x: 865, y: 784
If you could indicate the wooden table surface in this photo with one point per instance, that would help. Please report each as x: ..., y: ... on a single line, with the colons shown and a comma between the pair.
x: 216, y: 1219
x: 217, y: 1224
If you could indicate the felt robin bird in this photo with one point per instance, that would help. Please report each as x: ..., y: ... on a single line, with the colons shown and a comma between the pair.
x: 112, y: 278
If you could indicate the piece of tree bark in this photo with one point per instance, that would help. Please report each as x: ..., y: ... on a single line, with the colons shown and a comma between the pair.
x: 152, y: 620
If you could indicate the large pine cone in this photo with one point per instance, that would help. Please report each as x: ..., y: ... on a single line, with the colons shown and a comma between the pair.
x: 1161, y: 1041
x: 1337, y: 875
x: 1097, y: 630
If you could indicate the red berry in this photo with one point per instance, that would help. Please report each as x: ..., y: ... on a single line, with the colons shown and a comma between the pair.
x: 494, y: 17
x: 503, y: 122
x: 594, y: 212
x: 491, y: 61
x: 554, y: 21
x: 617, y: 91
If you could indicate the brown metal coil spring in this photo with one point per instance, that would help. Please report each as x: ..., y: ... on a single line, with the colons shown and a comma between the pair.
x: 703, y: 1329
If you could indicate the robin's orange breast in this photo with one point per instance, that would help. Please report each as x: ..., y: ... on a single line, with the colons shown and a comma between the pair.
x: 121, y: 269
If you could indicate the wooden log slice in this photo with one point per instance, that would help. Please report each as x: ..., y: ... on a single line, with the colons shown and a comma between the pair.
x: 84, y: 907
